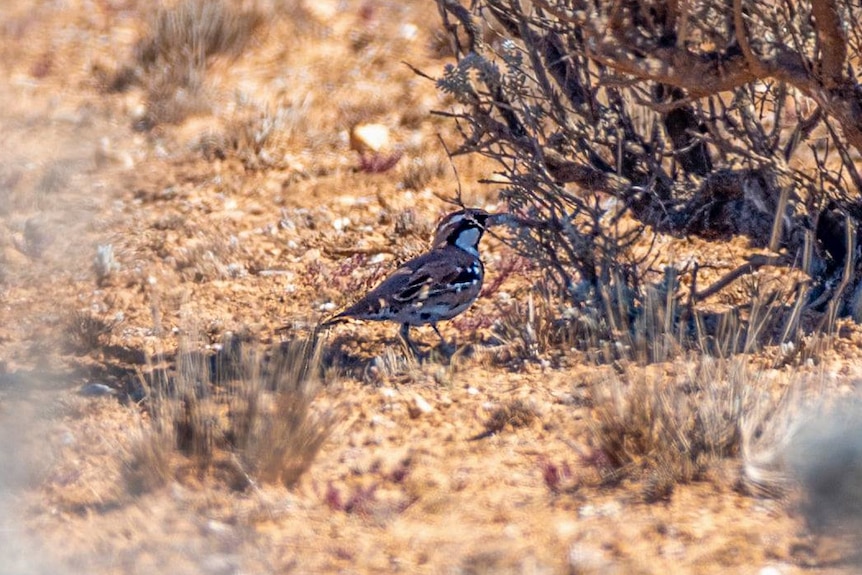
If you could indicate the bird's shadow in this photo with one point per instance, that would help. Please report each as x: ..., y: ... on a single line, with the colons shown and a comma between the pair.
x: 372, y: 360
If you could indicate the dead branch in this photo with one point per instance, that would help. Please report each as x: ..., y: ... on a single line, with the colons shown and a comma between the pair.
x: 833, y: 44
x: 754, y: 263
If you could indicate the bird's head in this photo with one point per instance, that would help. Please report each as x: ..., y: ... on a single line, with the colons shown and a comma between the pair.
x: 462, y: 229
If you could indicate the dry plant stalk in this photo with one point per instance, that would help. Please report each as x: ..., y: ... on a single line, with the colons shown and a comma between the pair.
x: 88, y: 331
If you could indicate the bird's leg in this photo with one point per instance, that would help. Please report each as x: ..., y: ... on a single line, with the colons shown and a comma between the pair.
x: 404, y: 334
x: 446, y: 349
x: 437, y: 331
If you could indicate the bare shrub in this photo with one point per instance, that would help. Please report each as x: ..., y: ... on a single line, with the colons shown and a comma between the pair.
x: 173, y: 57
x: 612, y: 123
x: 243, y: 414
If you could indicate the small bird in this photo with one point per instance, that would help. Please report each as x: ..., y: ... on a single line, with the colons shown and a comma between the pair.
x: 438, y: 285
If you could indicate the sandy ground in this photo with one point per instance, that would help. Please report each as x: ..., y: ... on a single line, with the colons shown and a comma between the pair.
x: 216, y: 232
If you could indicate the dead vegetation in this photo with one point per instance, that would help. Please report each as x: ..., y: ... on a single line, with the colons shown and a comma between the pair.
x: 259, y: 137
x: 172, y: 59
x: 673, y: 401
x: 512, y: 415
x: 88, y: 331
x: 668, y: 430
x: 243, y: 415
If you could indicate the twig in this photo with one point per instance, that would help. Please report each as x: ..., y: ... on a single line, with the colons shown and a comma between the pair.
x: 353, y: 251
x: 755, y: 262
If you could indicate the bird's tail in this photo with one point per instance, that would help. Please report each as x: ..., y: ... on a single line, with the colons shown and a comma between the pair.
x: 316, y: 328
x: 333, y: 319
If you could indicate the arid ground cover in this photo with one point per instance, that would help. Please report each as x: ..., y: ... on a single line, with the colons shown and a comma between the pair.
x: 186, y: 192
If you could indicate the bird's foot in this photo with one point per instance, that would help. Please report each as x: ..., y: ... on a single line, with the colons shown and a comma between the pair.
x: 446, y: 350
x: 409, y: 347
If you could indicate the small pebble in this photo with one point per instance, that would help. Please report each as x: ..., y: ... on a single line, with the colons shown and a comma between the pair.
x: 418, y: 407
x: 408, y: 31
x: 217, y: 527
x: 369, y: 138
x: 340, y: 223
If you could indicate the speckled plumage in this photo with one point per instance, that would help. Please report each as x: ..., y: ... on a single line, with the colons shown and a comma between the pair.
x: 436, y: 286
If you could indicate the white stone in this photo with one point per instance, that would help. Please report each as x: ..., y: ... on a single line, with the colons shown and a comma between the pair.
x: 421, y: 405
x: 365, y: 138
x: 341, y: 223
x: 408, y: 31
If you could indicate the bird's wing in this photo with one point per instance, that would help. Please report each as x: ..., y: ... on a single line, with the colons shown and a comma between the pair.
x: 427, y: 276
x: 381, y: 297
x: 438, y: 276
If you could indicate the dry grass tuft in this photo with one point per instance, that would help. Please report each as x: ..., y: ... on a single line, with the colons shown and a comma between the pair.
x: 88, y: 331
x: 241, y: 415
x: 278, y: 442
x: 675, y: 426
x: 149, y: 465
x: 172, y: 59
x: 529, y: 329
x: 393, y: 364
x: 514, y: 414
x: 259, y: 137
x: 670, y: 430
x: 419, y: 172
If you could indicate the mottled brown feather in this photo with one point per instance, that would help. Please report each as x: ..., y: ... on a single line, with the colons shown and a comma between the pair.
x: 436, y: 286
